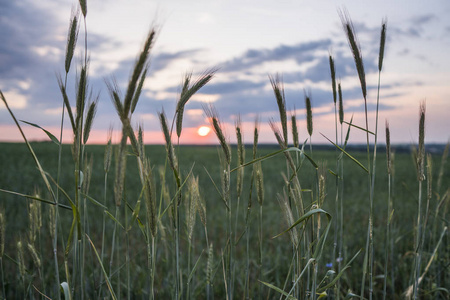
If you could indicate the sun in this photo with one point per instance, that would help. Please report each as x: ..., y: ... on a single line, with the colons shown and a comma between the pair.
x: 203, y: 130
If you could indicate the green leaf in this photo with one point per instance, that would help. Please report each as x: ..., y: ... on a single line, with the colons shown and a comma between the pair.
x: 348, y: 155
x: 178, y: 192
x: 360, y: 128
x: 51, y: 136
x: 291, y: 149
x: 108, y: 283
x: 302, y: 219
x: 114, y: 219
x: 195, y: 267
x: 322, y: 289
x: 348, y: 132
x: 320, y: 244
x: 94, y: 201
x: 35, y: 198
x: 217, y: 189
x: 65, y: 289
x: 277, y: 289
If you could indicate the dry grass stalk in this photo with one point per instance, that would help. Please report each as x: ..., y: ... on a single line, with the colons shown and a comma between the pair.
x: 278, y: 89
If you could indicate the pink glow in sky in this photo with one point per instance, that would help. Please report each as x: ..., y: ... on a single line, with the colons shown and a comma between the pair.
x: 247, y: 41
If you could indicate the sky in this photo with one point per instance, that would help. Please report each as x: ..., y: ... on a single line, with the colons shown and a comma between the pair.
x: 248, y: 41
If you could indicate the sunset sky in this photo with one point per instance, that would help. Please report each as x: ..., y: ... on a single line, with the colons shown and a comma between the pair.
x: 247, y: 41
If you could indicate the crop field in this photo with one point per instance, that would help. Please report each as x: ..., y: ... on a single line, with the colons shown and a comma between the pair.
x: 288, y: 220
x: 128, y: 271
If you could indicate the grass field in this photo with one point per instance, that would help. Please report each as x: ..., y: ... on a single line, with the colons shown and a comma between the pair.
x: 19, y: 174
x: 292, y: 221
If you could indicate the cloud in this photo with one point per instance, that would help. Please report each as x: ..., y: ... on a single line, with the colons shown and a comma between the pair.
x: 254, y: 57
x: 423, y: 19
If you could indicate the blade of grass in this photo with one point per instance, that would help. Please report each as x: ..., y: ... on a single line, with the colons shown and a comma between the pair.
x: 360, y: 128
x: 322, y: 289
x: 103, y: 269
x: 348, y: 155
x: 49, y: 134
x: 278, y: 290
x: 35, y: 198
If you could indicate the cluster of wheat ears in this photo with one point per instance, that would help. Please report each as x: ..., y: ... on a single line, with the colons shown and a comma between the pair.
x: 169, y: 209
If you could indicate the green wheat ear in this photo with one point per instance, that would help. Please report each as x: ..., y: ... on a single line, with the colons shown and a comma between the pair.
x: 309, y: 120
x: 83, y: 6
x: 90, y: 119
x: 213, y: 117
x: 278, y: 89
x: 108, y: 152
x: 169, y: 147
x: 382, y: 43
x: 71, y: 39
x: 294, y: 131
x: 421, y: 150
x: 188, y: 91
x: 355, y: 48
x: 255, y: 137
x: 341, y: 104
x: 333, y: 77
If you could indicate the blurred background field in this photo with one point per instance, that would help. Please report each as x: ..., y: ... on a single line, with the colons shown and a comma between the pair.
x: 19, y: 174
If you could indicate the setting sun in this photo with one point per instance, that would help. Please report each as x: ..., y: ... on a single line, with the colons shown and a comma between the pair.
x: 203, y: 130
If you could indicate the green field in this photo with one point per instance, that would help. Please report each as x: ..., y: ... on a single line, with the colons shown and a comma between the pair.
x: 19, y: 174
x: 130, y: 221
